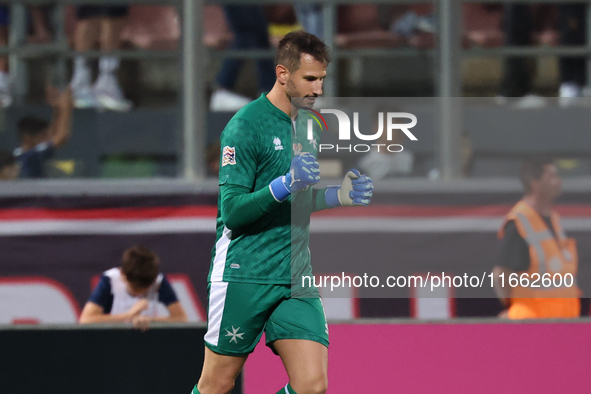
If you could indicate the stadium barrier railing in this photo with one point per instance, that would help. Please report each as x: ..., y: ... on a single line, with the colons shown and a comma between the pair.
x: 447, y: 70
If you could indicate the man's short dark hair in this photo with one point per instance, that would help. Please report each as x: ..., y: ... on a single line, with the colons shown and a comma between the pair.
x: 140, y: 266
x: 532, y: 170
x: 296, y: 43
x: 6, y: 159
x: 32, y: 126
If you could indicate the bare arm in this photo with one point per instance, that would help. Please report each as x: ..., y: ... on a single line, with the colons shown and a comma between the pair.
x: 93, y: 313
x: 40, y: 32
x: 503, y: 293
x: 61, y: 122
x: 177, y: 315
x: 514, y: 258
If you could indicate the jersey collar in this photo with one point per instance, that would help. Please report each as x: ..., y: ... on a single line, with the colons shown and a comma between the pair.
x: 275, y: 109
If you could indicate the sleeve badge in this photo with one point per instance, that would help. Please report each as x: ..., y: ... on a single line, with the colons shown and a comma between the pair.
x: 228, y: 156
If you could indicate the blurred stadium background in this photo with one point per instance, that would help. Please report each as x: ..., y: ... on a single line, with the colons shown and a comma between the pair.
x: 145, y: 176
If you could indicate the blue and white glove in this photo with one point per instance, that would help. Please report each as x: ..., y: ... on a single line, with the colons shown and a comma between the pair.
x: 304, y: 171
x: 356, y: 189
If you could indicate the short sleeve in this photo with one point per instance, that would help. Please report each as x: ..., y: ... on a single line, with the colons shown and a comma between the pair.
x: 238, y: 160
x: 166, y: 294
x: 102, y: 295
x: 32, y: 161
x: 45, y: 150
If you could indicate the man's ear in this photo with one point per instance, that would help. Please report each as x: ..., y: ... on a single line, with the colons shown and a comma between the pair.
x: 282, y: 74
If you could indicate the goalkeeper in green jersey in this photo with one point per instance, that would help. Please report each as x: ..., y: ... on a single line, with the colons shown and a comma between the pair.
x: 266, y: 171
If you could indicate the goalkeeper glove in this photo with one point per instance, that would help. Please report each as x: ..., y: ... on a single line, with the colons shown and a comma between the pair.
x: 356, y: 189
x: 304, y: 171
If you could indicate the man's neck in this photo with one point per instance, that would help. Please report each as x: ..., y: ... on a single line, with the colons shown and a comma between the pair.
x: 278, y: 98
x: 543, y: 207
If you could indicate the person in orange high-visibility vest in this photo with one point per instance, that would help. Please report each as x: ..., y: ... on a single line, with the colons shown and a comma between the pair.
x: 536, y: 252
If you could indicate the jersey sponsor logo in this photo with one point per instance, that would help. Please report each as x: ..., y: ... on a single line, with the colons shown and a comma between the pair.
x: 234, y: 335
x: 297, y: 148
x: 278, y: 144
x: 228, y: 156
x: 235, y: 266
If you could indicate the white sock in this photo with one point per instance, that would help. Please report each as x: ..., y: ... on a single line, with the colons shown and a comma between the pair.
x: 81, y: 71
x: 108, y: 64
x: 80, y: 64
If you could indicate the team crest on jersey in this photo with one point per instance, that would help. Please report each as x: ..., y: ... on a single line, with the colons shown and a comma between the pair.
x: 278, y: 144
x: 228, y: 156
x: 297, y: 148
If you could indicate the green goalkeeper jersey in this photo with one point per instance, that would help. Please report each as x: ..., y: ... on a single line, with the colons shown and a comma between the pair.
x: 257, y: 146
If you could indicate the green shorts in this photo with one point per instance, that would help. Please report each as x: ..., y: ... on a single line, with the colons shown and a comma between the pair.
x: 238, y: 313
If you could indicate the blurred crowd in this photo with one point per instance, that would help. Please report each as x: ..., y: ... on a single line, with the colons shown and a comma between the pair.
x: 113, y: 29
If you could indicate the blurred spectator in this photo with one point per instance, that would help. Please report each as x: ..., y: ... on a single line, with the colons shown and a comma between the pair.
x: 39, y: 31
x: 535, y: 245
x: 282, y: 20
x: 39, y: 139
x: 416, y: 24
x: 40, y: 34
x: 156, y: 27
x: 573, y: 70
x: 518, y: 71
x: 368, y: 25
x: 411, y: 23
x: 311, y: 18
x: 132, y: 292
x: 249, y: 26
x: 5, y: 94
x: 216, y: 32
x: 8, y: 167
x: 103, y: 24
